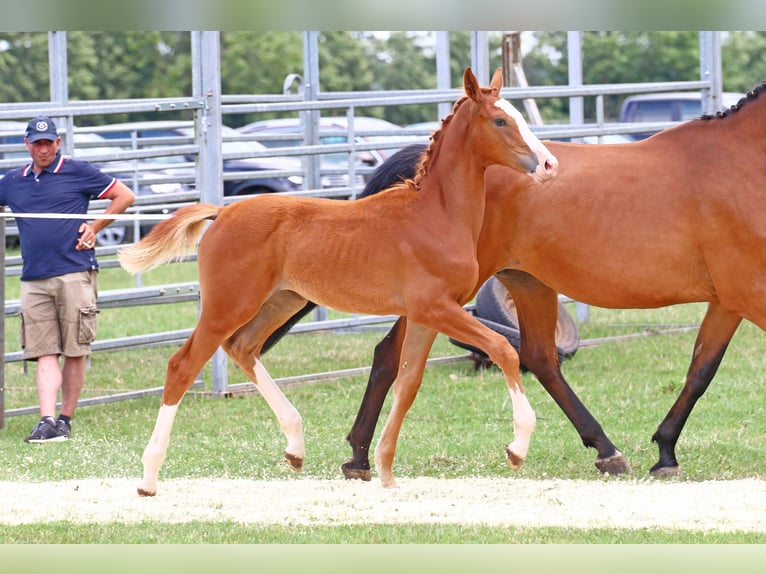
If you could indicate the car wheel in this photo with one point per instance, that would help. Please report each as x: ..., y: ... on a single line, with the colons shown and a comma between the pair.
x: 496, y: 309
x: 110, y: 236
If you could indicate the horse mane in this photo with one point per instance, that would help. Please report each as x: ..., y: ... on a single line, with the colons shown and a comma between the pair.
x: 435, y: 141
x: 749, y: 97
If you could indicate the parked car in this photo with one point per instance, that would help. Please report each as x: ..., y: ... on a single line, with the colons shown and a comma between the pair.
x: 141, y: 134
x: 288, y: 132
x: 667, y: 107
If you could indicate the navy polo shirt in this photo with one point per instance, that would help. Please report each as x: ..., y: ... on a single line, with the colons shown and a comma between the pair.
x: 65, y: 186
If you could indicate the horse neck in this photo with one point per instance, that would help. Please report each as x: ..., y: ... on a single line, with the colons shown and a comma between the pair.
x: 746, y: 126
x: 453, y: 182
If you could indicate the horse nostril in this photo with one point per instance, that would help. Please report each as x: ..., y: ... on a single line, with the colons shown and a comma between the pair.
x: 551, y: 166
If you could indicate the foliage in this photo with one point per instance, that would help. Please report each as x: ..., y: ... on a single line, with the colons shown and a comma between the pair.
x: 612, y: 57
x: 122, y: 65
x: 744, y: 60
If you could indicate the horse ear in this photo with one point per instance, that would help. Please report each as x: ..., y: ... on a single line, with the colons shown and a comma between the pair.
x: 472, y: 88
x: 497, y: 81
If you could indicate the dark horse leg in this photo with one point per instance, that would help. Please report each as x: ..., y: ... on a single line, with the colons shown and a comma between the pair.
x: 385, y: 365
x: 283, y: 329
x: 715, y: 332
x: 537, y: 307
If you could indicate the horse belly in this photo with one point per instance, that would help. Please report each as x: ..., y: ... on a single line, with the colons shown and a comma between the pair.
x: 622, y: 286
x: 353, y: 284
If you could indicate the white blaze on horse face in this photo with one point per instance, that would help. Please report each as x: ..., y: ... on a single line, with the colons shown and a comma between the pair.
x: 548, y: 164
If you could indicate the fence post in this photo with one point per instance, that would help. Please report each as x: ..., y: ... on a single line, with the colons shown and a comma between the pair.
x: 2, y: 326
x: 443, y: 72
x: 711, y: 71
x: 206, y: 82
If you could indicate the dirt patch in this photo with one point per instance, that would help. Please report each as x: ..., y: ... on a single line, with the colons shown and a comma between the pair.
x: 737, y: 505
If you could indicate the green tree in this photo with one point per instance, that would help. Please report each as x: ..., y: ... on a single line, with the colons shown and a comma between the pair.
x: 129, y: 65
x: 24, y: 67
x: 743, y: 56
x: 609, y: 58
x: 404, y: 61
x: 258, y: 62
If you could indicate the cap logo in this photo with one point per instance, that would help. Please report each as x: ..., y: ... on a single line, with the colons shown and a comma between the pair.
x: 41, y: 126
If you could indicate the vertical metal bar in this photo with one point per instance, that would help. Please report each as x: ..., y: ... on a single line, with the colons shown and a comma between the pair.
x: 576, y: 116
x: 443, y: 71
x: 206, y: 77
x: 711, y: 70
x: 310, y: 118
x: 574, y: 52
x: 480, y: 56
x: 310, y: 122
x: 58, y: 73
x: 2, y: 324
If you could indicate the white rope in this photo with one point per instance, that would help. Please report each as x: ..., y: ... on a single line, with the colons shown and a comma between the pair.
x: 123, y: 216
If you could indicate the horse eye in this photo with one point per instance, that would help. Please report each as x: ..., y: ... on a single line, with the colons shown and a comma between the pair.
x: 499, y: 122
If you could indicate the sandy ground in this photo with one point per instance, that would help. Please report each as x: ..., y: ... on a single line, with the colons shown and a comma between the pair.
x: 737, y: 505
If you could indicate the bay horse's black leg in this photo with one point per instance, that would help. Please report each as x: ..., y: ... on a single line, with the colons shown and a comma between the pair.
x: 385, y: 366
x: 537, y: 308
x: 715, y: 332
x: 282, y: 331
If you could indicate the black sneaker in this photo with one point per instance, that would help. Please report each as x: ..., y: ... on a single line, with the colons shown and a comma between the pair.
x: 46, y: 431
x: 64, y: 427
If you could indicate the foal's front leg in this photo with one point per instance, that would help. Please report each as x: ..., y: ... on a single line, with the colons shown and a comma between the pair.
x: 453, y: 321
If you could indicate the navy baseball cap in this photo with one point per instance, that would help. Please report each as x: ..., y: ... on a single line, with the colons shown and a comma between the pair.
x: 41, y: 128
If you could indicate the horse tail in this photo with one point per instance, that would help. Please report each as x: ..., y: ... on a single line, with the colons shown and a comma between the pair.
x: 170, y: 239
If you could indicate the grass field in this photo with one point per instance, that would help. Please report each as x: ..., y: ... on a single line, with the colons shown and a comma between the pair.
x: 458, y: 426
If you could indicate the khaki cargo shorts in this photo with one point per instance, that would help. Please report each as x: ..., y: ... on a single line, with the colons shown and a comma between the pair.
x: 58, y: 315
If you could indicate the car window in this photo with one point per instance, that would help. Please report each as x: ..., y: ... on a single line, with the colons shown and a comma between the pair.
x: 13, y: 154
x: 142, y: 136
x: 653, y: 111
x: 690, y: 110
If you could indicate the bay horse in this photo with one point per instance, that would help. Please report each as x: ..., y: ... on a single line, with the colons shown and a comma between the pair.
x: 677, y: 218
x: 263, y: 258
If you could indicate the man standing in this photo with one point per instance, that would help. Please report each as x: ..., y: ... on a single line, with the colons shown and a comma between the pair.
x: 59, y: 272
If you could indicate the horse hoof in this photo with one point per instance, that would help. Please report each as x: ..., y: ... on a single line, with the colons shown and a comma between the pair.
x: 143, y: 492
x: 295, y: 462
x: 665, y: 471
x: 356, y: 473
x: 514, y: 460
x: 389, y: 483
x: 615, y: 464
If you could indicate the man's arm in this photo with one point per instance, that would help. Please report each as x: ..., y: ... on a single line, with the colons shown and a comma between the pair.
x: 121, y: 197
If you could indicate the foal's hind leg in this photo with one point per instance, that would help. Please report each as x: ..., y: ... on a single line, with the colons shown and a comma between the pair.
x: 183, y: 367
x: 715, y: 332
x: 244, y: 347
x: 417, y: 344
x: 382, y: 375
